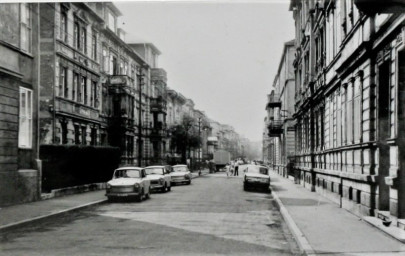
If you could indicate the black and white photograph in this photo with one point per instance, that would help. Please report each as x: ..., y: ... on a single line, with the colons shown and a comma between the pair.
x: 202, y: 127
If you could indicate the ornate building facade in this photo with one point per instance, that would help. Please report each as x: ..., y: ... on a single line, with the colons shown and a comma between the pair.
x: 349, y: 119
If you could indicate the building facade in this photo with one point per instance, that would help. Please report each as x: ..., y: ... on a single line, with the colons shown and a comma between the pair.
x: 349, y: 129
x: 280, y: 110
x: 20, y: 167
x: 95, y: 88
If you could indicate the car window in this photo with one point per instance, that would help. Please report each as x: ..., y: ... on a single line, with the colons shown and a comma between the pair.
x: 127, y: 173
x: 154, y: 171
x: 180, y: 169
x: 258, y: 169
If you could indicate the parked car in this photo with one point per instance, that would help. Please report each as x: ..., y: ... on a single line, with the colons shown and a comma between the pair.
x: 128, y: 182
x: 159, y: 177
x: 256, y: 176
x: 180, y: 174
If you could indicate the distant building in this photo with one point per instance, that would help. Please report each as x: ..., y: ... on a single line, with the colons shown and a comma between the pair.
x: 280, y: 143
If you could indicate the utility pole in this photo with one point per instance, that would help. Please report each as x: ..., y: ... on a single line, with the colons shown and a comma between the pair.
x: 199, y: 146
x: 140, y: 78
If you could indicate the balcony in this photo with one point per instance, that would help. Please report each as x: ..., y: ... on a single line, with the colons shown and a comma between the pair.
x: 158, y: 132
x: 158, y: 105
x: 377, y: 6
x: 273, y: 101
x: 121, y: 84
x: 275, y: 128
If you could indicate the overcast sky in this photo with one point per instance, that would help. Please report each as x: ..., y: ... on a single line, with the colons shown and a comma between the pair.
x: 223, y: 55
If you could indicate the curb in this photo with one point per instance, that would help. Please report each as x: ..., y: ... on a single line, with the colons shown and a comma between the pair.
x: 57, y: 213
x: 302, y: 242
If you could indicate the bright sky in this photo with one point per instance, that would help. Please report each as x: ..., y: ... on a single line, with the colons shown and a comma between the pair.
x: 221, y: 54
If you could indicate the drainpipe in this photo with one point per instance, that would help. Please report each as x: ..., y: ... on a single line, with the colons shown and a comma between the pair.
x: 38, y: 161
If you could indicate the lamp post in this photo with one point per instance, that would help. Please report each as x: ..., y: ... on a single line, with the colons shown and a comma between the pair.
x: 199, y: 146
x: 140, y: 76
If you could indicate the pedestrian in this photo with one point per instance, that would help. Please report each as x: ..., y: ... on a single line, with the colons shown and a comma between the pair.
x: 236, y: 171
x: 228, y: 169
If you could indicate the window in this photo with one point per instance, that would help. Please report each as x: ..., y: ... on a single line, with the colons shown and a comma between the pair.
x: 349, y: 120
x: 93, y: 94
x: 63, y: 88
x: 83, y: 89
x: 75, y: 85
x: 84, y: 134
x: 105, y: 59
x: 111, y: 21
x: 357, y: 110
x: 64, y: 130
x: 339, y: 120
x: 25, y: 119
x: 344, y: 115
x: 93, y: 136
x: 122, y: 67
x: 76, y: 37
x: 126, y: 70
x: 113, y: 65
x: 77, y: 134
x: 63, y: 25
x: 25, y: 27
x: 83, y: 40
x: 94, y: 46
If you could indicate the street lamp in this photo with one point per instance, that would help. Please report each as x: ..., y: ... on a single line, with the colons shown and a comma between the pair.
x: 140, y: 77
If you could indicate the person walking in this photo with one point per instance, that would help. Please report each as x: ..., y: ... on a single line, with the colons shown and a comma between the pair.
x: 236, y: 171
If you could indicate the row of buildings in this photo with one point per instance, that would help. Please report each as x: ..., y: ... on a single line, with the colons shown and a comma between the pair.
x: 68, y: 76
x: 335, y: 117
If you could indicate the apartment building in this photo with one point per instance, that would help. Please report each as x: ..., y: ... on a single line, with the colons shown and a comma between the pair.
x: 349, y: 118
x: 280, y: 111
x: 20, y: 167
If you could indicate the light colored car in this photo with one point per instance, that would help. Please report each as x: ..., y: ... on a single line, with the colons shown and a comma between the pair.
x: 180, y: 174
x: 159, y: 177
x: 256, y: 176
x: 128, y: 182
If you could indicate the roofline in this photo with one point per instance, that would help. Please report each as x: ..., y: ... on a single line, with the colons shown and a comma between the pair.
x: 114, y: 8
x: 154, y: 48
x: 280, y: 65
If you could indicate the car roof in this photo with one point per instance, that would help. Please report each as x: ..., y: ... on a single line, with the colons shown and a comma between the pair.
x: 129, y: 167
x: 155, y: 166
x: 178, y: 165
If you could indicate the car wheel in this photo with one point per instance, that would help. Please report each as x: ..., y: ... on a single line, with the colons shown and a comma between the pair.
x: 110, y: 199
x: 147, y: 196
x: 189, y: 182
x: 140, y: 196
x: 169, y: 188
x: 245, y: 187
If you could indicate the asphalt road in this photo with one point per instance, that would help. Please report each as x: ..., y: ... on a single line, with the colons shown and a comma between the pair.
x: 213, y: 216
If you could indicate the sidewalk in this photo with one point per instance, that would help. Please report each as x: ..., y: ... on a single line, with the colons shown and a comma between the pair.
x: 18, y: 215
x: 321, y: 227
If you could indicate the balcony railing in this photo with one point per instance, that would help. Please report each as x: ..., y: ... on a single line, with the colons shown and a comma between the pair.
x: 159, y: 130
x: 274, y: 101
x: 158, y: 105
x: 378, y: 6
x: 275, y: 128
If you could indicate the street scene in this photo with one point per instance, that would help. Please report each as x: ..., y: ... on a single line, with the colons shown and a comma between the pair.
x: 213, y: 216
x: 190, y: 127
